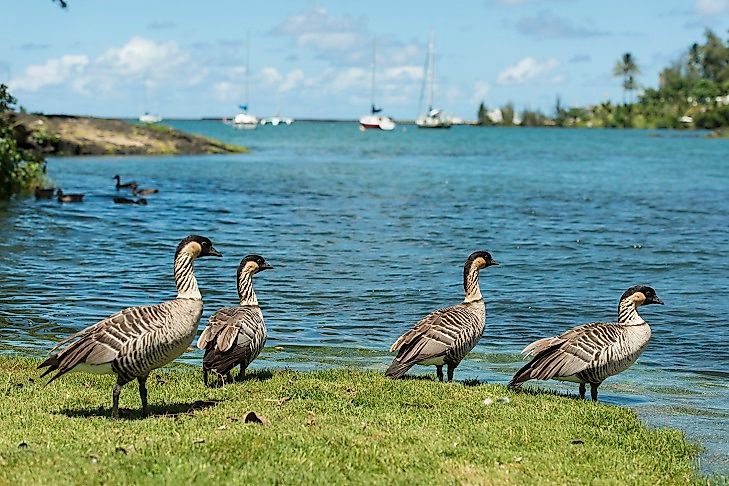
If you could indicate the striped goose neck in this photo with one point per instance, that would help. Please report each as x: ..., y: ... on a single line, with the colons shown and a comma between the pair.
x: 628, y: 313
x: 246, y: 294
x: 470, y: 284
x: 185, y: 276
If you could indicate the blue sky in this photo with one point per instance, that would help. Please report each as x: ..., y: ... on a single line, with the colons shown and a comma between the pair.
x: 311, y: 59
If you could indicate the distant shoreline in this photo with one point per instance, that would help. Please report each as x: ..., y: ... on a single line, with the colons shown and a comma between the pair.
x: 63, y: 135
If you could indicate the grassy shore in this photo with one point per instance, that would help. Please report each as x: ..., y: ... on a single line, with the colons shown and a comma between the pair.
x: 80, y: 135
x: 337, y: 426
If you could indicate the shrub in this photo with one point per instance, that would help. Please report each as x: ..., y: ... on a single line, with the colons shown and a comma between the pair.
x: 20, y: 170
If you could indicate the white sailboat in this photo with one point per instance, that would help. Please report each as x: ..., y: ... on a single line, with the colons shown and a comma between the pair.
x: 245, y: 120
x: 374, y: 120
x: 148, y: 117
x: 434, y: 117
x: 277, y: 119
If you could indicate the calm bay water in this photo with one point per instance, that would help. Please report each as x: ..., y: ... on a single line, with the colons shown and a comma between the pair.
x: 369, y: 231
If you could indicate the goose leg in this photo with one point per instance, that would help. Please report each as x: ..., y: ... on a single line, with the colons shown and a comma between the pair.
x: 593, y: 391
x: 228, y: 378
x: 582, y: 391
x: 439, y: 372
x: 451, y: 369
x: 205, y: 377
x: 242, y: 374
x: 143, y: 393
x: 120, y: 382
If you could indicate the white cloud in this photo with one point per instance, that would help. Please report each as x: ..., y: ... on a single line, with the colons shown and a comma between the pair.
x: 270, y: 75
x: 403, y: 73
x: 142, y: 56
x: 316, y: 28
x: 138, y: 59
x: 291, y: 81
x: 711, y: 7
x: 53, y: 71
x: 527, y: 69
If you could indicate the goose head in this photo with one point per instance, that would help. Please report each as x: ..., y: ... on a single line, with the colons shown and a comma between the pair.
x: 253, y: 264
x: 479, y: 260
x: 197, y: 247
x: 641, y: 295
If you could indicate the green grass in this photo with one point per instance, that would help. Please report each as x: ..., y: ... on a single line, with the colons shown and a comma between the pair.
x: 336, y: 426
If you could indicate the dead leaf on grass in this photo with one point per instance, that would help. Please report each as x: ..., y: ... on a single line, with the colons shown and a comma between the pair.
x: 578, y: 441
x: 198, y: 441
x: 125, y: 449
x: 311, y: 418
x: 23, y: 445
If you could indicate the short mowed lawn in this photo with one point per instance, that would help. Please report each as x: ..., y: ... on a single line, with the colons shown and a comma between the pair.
x: 339, y: 426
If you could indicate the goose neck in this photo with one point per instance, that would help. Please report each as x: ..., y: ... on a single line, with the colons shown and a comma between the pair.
x: 185, y: 277
x: 246, y: 294
x: 471, y: 286
x: 628, y: 313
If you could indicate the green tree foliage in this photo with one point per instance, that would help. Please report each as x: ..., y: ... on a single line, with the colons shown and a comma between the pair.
x: 20, y: 170
x: 507, y: 113
x: 530, y: 118
x: 627, y: 69
x: 483, y: 115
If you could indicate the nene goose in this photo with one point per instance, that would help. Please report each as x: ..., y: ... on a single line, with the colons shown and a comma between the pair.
x: 142, y: 192
x: 137, y: 340
x: 592, y: 352
x: 119, y: 185
x: 235, y: 335
x: 68, y: 198
x: 125, y: 200
x: 447, y: 335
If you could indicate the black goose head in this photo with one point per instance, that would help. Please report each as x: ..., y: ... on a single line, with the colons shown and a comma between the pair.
x: 253, y: 264
x: 641, y: 295
x: 481, y: 259
x: 199, y: 245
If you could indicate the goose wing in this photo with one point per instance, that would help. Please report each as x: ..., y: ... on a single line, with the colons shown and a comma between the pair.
x: 102, y: 342
x: 430, y: 338
x: 569, y: 353
x: 236, y: 337
x: 216, y: 324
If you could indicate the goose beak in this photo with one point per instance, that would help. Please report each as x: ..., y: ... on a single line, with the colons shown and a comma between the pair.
x: 214, y: 252
x: 656, y: 300
x: 267, y: 266
x: 494, y: 263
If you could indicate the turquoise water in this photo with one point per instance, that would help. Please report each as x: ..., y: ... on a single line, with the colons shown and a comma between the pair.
x: 369, y: 231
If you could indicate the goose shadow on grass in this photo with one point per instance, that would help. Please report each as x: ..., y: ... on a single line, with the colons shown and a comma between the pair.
x: 214, y: 380
x: 171, y: 410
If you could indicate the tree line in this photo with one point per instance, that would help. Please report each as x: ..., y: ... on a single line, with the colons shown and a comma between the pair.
x: 692, y: 92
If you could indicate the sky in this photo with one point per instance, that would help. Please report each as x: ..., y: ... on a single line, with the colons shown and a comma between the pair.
x: 309, y: 59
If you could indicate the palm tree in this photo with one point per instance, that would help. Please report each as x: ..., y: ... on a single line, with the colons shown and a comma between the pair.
x: 627, y: 69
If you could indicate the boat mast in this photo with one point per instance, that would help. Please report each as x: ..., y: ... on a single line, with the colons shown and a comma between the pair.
x: 248, y: 68
x: 431, y: 71
x: 374, y: 62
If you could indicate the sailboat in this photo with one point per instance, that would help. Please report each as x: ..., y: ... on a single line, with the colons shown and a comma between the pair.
x: 245, y: 120
x: 277, y: 119
x: 433, y: 118
x: 148, y: 117
x: 374, y: 120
